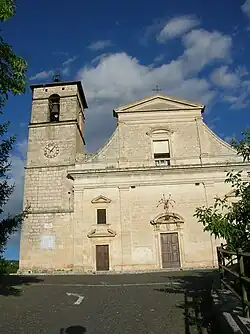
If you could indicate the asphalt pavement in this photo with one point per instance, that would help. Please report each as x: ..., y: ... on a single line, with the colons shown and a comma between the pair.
x: 171, y: 303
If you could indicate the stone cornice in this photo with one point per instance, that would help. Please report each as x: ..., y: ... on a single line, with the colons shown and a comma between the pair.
x: 133, y: 184
x: 62, y: 122
x: 177, y: 169
x: 48, y: 211
x: 56, y: 166
x: 45, y: 124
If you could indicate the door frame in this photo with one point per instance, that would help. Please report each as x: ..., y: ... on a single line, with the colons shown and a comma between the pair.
x: 179, y: 235
x: 109, y: 252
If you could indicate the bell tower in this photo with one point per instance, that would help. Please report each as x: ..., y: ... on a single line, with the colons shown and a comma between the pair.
x: 56, y: 136
x: 57, y: 120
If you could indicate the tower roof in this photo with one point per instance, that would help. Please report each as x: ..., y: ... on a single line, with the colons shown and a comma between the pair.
x: 64, y: 83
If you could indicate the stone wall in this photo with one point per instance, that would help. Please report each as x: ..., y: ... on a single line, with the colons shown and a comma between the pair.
x: 47, y: 233
x: 47, y: 242
x: 191, y: 142
x: 133, y: 205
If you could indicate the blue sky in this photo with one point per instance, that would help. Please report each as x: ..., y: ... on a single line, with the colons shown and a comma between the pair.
x: 121, y: 50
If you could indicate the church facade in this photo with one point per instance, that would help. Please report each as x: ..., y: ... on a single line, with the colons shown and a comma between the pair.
x: 130, y: 205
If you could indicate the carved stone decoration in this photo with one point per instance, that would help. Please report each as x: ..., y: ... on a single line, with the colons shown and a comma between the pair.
x: 163, y: 130
x: 167, y: 203
x: 101, y: 233
x: 100, y: 199
x: 167, y: 218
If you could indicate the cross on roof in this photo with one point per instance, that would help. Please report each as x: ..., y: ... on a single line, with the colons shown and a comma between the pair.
x: 57, y: 77
x: 156, y: 89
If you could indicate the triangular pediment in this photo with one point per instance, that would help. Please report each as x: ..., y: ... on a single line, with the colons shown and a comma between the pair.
x: 101, y: 199
x: 159, y: 103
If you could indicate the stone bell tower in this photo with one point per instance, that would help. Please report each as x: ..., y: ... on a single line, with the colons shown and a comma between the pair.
x: 56, y: 136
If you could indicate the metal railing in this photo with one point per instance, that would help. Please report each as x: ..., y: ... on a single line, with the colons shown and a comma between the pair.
x: 162, y: 162
x: 232, y: 264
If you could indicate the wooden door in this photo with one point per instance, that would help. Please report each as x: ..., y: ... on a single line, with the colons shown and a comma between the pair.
x: 170, y: 250
x: 102, y: 257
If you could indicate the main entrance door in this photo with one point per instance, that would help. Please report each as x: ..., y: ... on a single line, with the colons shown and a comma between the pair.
x: 170, y: 250
x: 102, y: 257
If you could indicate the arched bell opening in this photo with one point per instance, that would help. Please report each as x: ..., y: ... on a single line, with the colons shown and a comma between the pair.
x: 54, y: 108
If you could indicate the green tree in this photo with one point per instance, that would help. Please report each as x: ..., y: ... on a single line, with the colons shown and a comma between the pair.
x: 12, y: 81
x: 225, y: 219
x: 243, y: 146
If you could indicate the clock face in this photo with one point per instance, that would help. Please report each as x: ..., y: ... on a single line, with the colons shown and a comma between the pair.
x: 51, y: 150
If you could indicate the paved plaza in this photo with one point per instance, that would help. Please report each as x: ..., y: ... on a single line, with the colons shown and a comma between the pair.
x: 163, y: 302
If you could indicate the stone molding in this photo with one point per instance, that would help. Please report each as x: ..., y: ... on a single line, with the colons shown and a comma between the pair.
x: 100, y: 199
x: 167, y: 218
x: 101, y: 233
x: 78, y: 174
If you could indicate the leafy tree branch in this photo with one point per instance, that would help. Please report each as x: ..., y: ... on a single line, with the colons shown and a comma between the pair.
x: 226, y: 219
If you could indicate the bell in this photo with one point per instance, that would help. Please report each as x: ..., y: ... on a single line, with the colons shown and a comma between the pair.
x: 54, y: 116
x: 55, y: 108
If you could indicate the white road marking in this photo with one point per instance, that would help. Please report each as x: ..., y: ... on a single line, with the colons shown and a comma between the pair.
x: 79, y: 300
x: 106, y: 285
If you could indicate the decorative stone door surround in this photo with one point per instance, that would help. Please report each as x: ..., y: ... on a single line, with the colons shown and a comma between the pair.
x: 167, y: 222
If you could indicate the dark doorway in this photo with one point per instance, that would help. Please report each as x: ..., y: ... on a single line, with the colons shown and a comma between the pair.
x: 102, y: 257
x: 170, y: 250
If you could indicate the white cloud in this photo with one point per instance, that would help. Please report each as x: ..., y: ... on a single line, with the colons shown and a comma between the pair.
x: 64, y: 70
x: 16, y: 173
x: 177, y: 27
x: 120, y: 76
x: 99, y: 57
x: 159, y: 58
x: 15, y: 203
x: 203, y: 47
x: 246, y: 8
x: 240, y: 97
x: 66, y: 66
x: 22, y: 147
x: 149, y: 32
x: 69, y: 61
x: 241, y: 71
x: 230, y: 98
x: 42, y: 75
x: 235, y: 86
x: 100, y: 45
x: 114, y: 79
x: 239, y: 100
x: 60, y: 53
x: 222, y: 77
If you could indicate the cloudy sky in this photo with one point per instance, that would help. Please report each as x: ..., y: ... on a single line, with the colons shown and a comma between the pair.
x: 121, y: 50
